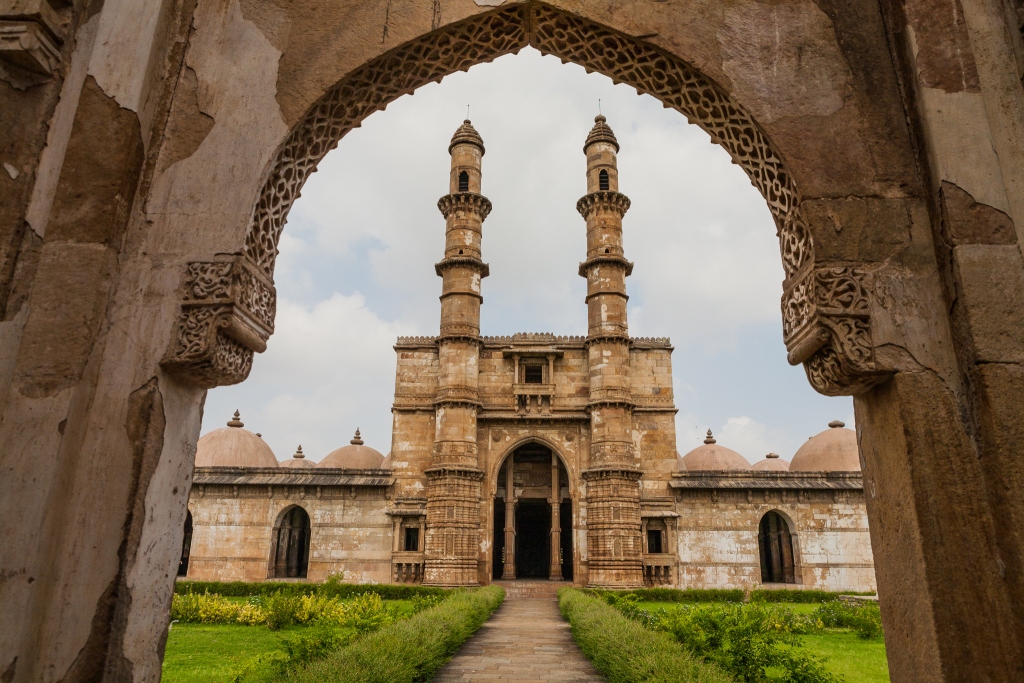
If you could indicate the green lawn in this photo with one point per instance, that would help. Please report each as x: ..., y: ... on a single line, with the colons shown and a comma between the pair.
x: 197, y: 653
x: 201, y: 653
x: 858, y: 660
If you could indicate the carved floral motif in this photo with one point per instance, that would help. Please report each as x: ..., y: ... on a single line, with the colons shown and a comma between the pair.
x: 227, y: 314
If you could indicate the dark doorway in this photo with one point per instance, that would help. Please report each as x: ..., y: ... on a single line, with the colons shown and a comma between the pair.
x: 498, y: 558
x: 186, y: 546
x: 533, y: 539
x: 291, y: 545
x: 565, y: 522
x: 775, y: 543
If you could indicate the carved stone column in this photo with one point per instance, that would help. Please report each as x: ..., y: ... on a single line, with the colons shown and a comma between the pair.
x: 556, y: 521
x: 508, y: 572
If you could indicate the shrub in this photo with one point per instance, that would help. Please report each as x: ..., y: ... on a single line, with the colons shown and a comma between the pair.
x: 866, y: 619
x: 332, y: 587
x: 799, y: 596
x: 686, y: 595
x: 407, y: 651
x: 747, y: 641
x: 624, y: 651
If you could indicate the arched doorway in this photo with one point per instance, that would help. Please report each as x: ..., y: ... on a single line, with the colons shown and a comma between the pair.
x: 290, y: 547
x: 532, y: 517
x: 775, y: 546
x: 186, y: 545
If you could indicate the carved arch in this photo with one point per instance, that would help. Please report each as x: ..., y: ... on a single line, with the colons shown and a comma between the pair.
x: 499, y: 462
x: 217, y: 336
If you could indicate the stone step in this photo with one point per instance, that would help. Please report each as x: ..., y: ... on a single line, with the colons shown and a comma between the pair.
x: 532, y: 589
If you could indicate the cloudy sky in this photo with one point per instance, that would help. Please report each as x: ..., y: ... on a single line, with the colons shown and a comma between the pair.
x: 356, y: 267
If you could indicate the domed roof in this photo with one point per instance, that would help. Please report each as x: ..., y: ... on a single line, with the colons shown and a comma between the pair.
x: 601, y: 132
x: 772, y: 463
x: 298, y: 460
x: 713, y: 457
x: 680, y: 465
x: 233, y: 446
x: 833, y: 450
x: 466, y: 135
x: 386, y: 465
x: 354, y: 456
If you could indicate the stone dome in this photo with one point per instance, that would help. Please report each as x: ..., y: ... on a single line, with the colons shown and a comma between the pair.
x: 712, y: 457
x: 298, y: 460
x: 601, y: 132
x: 233, y: 446
x: 354, y: 456
x: 771, y: 463
x: 466, y: 135
x: 833, y: 450
x: 680, y: 465
x: 386, y: 465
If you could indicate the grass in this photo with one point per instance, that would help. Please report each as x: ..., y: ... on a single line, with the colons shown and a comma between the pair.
x: 626, y: 652
x: 856, y: 659
x: 204, y: 653
x: 198, y: 653
x: 408, y: 651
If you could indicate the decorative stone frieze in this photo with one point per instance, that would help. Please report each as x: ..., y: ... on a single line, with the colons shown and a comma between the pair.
x: 466, y: 261
x: 606, y: 259
x: 30, y: 46
x: 227, y: 314
x: 451, y: 204
x: 604, y: 200
x: 826, y: 323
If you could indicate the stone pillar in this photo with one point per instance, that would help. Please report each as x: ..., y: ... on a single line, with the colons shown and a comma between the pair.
x: 509, y: 561
x: 556, y: 519
x: 613, y: 491
x: 453, y: 491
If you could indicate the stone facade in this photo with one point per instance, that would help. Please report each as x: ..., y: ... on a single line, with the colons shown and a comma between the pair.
x: 586, y: 425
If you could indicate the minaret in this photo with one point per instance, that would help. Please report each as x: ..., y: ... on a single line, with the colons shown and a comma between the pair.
x: 614, y: 544
x: 452, y: 544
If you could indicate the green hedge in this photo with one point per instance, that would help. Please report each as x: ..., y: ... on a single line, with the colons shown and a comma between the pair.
x: 626, y: 652
x: 800, y: 596
x: 240, y: 589
x: 686, y: 595
x: 408, y: 651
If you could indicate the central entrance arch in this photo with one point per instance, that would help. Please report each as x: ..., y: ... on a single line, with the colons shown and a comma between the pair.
x: 532, y: 517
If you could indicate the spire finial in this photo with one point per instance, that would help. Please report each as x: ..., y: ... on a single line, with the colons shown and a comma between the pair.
x: 710, y: 439
x: 599, y: 106
x: 772, y: 455
x: 834, y: 424
x: 298, y: 453
x: 235, y: 422
x: 356, y: 440
x: 466, y: 134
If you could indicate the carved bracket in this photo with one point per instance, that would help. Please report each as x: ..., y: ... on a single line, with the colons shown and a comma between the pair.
x: 826, y: 324
x: 227, y: 314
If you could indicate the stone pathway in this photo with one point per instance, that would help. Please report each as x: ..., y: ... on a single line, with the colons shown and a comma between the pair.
x: 525, y: 640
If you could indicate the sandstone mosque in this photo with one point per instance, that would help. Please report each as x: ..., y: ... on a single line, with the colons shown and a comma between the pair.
x: 531, y: 456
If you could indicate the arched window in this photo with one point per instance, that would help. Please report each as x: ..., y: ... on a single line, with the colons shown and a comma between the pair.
x: 775, y: 544
x: 463, y: 182
x: 186, y: 546
x: 602, y: 181
x: 291, y: 545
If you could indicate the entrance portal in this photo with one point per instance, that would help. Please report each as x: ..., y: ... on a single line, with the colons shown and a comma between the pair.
x: 532, y: 517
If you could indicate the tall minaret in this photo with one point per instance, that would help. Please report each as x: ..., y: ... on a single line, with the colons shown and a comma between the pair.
x: 614, y: 544
x: 452, y: 544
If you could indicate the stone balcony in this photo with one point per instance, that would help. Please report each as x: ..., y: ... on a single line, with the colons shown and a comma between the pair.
x: 533, y: 398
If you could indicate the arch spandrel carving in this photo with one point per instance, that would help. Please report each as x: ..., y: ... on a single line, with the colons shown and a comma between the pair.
x: 835, y: 348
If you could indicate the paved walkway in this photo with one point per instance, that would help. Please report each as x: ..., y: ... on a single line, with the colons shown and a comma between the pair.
x: 525, y: 640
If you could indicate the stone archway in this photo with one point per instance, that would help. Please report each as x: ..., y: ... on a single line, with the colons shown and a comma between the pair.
x: 533, y: 518
x: 906, y: 161
x: 229, y: 305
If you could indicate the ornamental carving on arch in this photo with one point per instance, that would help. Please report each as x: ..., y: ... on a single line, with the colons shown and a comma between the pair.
x: 623, y: 58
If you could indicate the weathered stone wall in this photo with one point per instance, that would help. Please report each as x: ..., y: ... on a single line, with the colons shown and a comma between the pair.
x: 350, y: 532
x: 718, y: 547
x: 179, y: 126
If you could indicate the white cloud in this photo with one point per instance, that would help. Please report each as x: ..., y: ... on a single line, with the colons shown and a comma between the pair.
x: 325, y: 373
